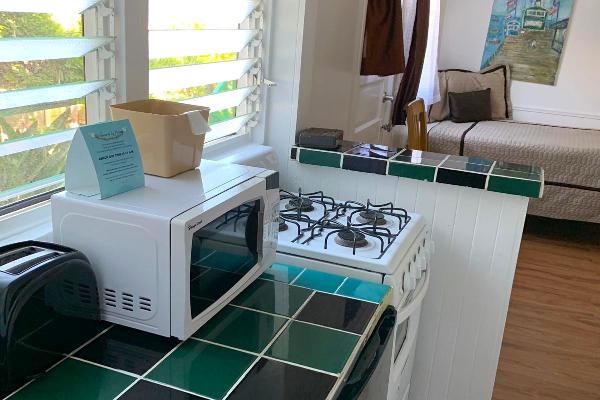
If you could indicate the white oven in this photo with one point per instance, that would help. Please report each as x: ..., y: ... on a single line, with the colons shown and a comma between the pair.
x: 401, y: 263
x: 172, y: 254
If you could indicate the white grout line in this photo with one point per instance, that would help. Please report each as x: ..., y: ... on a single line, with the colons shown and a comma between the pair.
x: 176, y: 388
x: 83, y: 360
x: 296, y: 278
x: 268, y: 346
x: 340, y: 295
x: 258, y: 311
x: 340, y: 286
x: 225, y: 346
x: 327, y: 327
x: 487, y: 180
x: 36, y: 330
x: 90, y: 341
x: 66, y: 356
x: 301, y: 366
x: 150, y: 370
x: 358, y: 347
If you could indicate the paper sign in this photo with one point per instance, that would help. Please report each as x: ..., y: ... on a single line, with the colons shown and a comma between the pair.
x: 104, y: 159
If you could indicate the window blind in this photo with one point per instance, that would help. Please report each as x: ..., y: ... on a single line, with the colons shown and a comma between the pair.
x: 209, y: 53
x: 56, y: 74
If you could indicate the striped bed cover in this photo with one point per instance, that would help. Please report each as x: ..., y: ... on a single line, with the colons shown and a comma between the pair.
x: 570, y: 158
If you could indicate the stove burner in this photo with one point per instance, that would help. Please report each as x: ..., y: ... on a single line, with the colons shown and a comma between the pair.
x: 371, y: 216
x: 304, y: 204
x: 282, y: 225
x: 346, y: 238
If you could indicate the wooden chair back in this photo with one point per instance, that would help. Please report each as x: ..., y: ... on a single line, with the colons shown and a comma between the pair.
x: 416, y: 121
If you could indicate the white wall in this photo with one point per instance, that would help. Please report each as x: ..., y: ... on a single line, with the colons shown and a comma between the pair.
x: 477, y: 234
x: 574, y: 101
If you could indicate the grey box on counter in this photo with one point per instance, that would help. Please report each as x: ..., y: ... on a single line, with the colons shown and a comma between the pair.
x: 320, y: 138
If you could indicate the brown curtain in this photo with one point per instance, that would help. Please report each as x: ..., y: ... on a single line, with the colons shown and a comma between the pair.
x: 383, y: 48
x: 409, y: 85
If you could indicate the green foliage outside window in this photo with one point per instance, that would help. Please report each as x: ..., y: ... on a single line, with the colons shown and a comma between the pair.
x: 34, y: 165
x: 198, y: 91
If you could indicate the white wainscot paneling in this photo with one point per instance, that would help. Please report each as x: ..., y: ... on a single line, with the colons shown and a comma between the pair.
x: 477, y: 236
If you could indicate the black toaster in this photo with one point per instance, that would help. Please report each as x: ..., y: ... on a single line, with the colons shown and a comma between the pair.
x: 48, y: 308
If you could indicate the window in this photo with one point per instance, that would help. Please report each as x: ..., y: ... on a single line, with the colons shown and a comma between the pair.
x: 56, y: 73
x: 208, y: 53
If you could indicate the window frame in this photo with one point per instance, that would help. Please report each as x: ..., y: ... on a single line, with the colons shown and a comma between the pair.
x: 255, y: 134
x: 96, y: 104
x: 129, y: 27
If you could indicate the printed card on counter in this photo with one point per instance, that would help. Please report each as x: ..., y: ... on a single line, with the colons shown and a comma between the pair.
x: 104, y: 159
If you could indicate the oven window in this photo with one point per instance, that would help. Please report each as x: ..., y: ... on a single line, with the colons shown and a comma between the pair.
x: 401, y: 333
x: 223, y: 252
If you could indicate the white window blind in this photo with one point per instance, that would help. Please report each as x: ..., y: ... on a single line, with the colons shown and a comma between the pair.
x: 209, y: 53
x: 56, y: 73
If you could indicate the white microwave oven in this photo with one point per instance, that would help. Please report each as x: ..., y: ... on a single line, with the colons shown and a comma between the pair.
x: 170, y: 255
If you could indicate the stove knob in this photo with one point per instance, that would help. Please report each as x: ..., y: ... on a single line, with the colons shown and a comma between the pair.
x: 422, y: 262
x: 417, y: 268
x: 406, y: 283
x: 412, y: 273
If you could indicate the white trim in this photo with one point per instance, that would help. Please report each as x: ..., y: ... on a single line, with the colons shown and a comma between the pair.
x: 31, y: 223
x: 552, y: 111
x: 131, y: 31
x: 31, y: 49
x: 35, y: 142
x: 50, y: 94
x: 37, y: 6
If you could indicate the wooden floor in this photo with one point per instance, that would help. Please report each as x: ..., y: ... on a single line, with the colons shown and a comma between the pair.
x: 551, y: 347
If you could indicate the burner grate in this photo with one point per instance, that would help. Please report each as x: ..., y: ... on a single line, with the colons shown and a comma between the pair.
x: 354, y: 224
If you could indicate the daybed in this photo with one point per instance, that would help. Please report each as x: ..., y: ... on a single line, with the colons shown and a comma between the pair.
x: 570, y: 159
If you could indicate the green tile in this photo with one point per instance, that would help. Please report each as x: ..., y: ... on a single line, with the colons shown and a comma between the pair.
x: 226, y: 262
x: 517, y: 170
x: 520, y: 187
x: 421, y: 157
x: 74, y: 379
x: 412, y: 171
x: 225, y: 327
x: 362, y: 290
x: 314, y: 346
x: 273, y: 297
x: 202, y: 368
x: 282, y: 273
x: 322, y: 158
x: 319, y: 281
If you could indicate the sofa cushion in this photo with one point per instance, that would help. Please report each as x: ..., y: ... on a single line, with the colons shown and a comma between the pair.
x: 495, y: 78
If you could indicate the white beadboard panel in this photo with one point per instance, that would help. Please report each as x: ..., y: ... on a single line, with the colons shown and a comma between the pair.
x: 453, y: 269
x: 477, y: 236
x: 505, y: 253
x: 486, y: 231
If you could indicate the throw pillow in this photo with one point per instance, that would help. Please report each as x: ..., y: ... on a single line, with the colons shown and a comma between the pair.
x: 496, y: 78
x: 470, y: 106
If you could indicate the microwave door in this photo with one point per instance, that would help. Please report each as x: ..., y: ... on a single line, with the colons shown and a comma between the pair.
x: 216, y: 253
x: 222, y: 254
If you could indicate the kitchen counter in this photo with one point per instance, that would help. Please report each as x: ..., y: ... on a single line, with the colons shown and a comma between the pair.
x: 292, y: 334
x: 472, y: 172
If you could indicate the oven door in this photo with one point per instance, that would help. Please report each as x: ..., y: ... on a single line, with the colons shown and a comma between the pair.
x: 405, y: 340
x: 216, y: 252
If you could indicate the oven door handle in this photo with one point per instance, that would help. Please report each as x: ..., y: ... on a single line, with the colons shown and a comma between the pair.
x: 417, y: 299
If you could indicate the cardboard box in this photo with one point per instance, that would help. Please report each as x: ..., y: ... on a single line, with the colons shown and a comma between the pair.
x: 170, y: 135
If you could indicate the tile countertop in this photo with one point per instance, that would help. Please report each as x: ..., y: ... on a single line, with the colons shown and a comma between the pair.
x: 474, y: 172
x: 292, y: 334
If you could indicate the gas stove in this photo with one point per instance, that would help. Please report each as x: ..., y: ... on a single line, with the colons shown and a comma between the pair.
x: 381, y: 243
x: 368, y: 236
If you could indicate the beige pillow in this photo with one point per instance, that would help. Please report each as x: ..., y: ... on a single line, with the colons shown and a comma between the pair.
x: 496, y: 78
